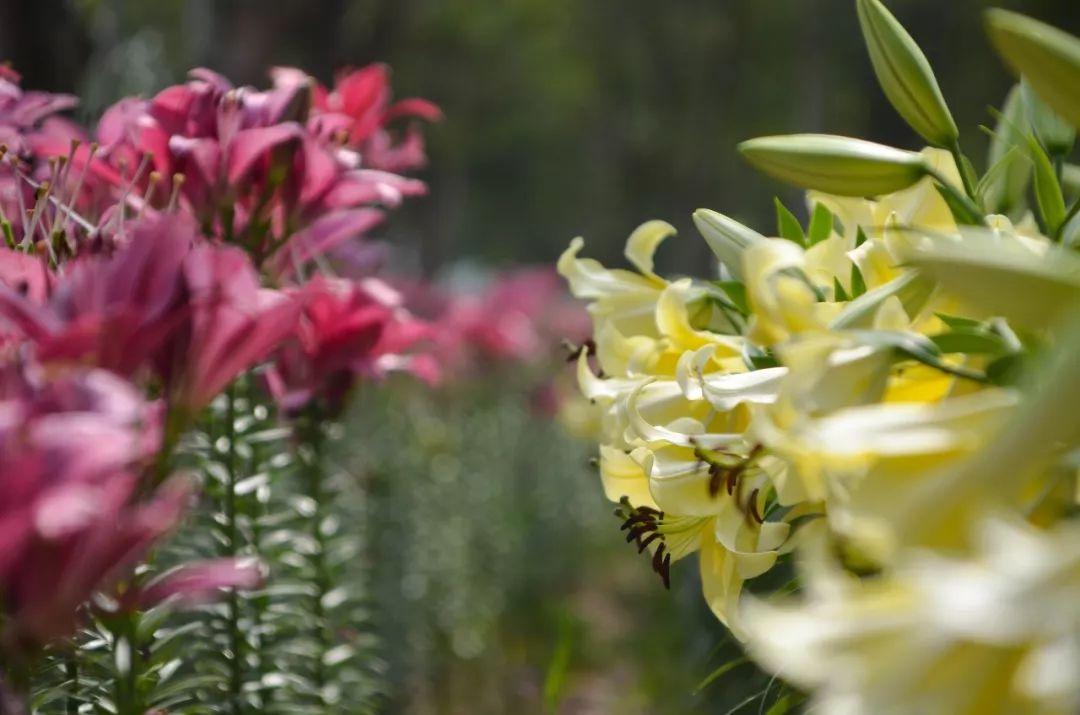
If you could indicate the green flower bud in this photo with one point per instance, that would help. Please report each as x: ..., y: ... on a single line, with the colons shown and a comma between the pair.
x: 1048, y: 58
x: 905, y: 74
x: 835, y: 165
x: 726, y: 237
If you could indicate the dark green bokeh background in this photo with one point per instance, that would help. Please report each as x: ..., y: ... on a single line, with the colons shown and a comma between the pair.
x: 564, y: 117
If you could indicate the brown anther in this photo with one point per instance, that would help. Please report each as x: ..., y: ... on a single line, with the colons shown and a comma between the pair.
x: 588, y: 347
x: 644, y: 543
x: 733, y: 478
x: 716, y: 478
x: 751, y: 507
x: 658, y: 557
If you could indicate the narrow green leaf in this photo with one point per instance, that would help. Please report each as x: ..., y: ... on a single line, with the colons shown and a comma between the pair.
x: 736, y: 291
x: 968, y: 172
x: 1003, y: 194
x: 839, y: 293
x: 860, y: 237
x: 787, y: 225
x: 858, y: 284
x: 821, y: 224
x: 1048, y: 196
x: 912, y: 289
x: 970, y: 343
x: 957, y: 322
x: 918, y: 348
x: 786, y: 703
x: 725, y: 668
x: 964, y: 212
x: 994, y: 182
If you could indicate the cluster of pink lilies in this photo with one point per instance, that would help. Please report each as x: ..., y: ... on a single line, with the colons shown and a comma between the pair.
x: 209, y: 232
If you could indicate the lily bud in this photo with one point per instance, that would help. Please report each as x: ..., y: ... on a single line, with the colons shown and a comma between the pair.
x: 835, y: 165
x: 905, y: 74
x: 726, y: 237
x: 1048, y: 58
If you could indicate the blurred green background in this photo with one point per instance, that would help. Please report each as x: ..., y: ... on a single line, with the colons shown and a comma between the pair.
x: 498, y: 581
x: 564, y: 117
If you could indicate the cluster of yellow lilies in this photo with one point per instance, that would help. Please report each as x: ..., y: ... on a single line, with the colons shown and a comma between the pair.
x: 887, y: 399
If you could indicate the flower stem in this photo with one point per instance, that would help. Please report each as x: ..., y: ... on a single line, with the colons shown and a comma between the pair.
x: 958, y: 157
x: 232, y: 546
x: 314, y: 482
x: 127, y: 660
x: 71, y: 671
x: 966, y: 201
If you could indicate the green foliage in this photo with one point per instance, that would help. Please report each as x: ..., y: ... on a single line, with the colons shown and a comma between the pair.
x: 787, y: 226
x: 301, y: 643
x: 821, y: 225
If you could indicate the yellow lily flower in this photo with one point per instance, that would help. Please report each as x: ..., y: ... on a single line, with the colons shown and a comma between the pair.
x: 999, y: 633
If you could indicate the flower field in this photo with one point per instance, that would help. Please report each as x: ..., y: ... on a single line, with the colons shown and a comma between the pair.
x: 267, y: 445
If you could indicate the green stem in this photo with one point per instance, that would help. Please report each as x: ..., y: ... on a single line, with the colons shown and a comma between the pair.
x: 127, y: 659
x: 958, y: 157
x: 177, y: 420
x: 1073, y: 210
x: 314, y: 477
x: 232, y: 546
x: 71, y: 670
x: 967, y: 201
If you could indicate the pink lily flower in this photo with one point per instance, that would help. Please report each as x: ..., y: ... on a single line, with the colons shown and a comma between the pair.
x: 358, y: 109
x: 522, y: 316
x: 113, y: 312
x: 28, y: 121
x: 252, y: 171
x: 70, y: 518
x: 201, y: 582
x: 346, y: 330
x: 234, y: 323
x: 196, y: 316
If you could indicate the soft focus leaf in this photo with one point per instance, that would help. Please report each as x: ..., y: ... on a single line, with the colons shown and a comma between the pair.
x: 998, y: 277
x: 913, y: 291
x: 1048, y: 196
x: 787, y: 225
x: 821, y: 225
x: 970, y: 343
x: 1048, y: 58
x: 1053, y: 131
x: 1005, y: 191
x: 963, y: 212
